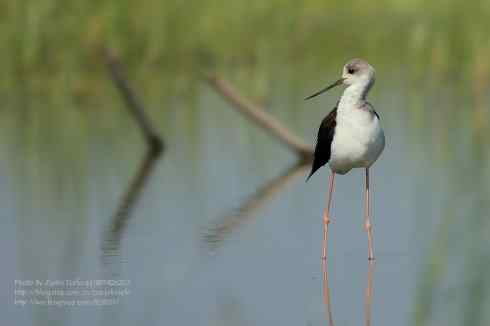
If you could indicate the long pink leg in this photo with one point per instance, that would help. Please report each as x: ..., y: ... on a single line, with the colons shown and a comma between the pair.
x: 367, y: 222
x: 326, y: 293
x: 369, y: 293
x: 326, y: 214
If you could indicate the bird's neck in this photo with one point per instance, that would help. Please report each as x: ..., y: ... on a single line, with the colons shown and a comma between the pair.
x: 355, y: 95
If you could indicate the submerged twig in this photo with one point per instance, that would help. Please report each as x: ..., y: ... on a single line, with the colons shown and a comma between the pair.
x: 135, y: 107
x: 260, y: 117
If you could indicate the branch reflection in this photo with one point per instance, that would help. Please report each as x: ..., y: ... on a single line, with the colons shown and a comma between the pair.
x: 218, y: 233
x: 127, y: 202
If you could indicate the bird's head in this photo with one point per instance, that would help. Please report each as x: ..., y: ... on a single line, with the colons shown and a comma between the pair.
x: 356, y: 71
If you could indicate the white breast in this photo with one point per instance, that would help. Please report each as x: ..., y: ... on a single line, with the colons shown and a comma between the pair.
x: 358, y: 140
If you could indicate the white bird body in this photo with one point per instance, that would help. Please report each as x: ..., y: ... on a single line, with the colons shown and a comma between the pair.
x: 350, y: 136
x: 358, y: 139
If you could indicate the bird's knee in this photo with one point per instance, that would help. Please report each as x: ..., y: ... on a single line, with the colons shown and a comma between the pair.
x: 326, y: 219
x: 368, y: 226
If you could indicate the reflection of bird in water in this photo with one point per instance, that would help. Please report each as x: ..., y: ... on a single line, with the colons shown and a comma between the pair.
x: 350, y: 136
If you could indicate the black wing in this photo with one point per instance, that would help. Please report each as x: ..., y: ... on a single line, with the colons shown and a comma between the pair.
x: 324, y: 141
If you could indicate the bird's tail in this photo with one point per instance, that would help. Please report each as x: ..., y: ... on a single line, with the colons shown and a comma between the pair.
x: 314, y: 168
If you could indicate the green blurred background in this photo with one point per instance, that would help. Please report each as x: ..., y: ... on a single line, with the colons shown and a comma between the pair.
x: 53, y: 41
x: 66, y: 136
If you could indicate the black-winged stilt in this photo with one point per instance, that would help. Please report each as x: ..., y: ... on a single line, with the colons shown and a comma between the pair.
x: 350, y: 137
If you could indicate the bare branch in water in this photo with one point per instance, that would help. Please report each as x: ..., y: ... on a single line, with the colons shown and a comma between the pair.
x: 134, y: 105
x: 260, y: 117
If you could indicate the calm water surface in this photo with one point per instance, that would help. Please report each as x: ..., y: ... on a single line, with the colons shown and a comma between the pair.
x: 222, y: 229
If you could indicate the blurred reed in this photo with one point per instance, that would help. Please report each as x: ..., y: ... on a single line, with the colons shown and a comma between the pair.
x: 52, y: 41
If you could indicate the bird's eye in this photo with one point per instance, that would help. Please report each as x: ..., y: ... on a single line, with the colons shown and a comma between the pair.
x: 351, y: 71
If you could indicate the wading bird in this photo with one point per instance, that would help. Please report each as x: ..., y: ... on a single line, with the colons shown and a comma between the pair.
x: 350, y: 137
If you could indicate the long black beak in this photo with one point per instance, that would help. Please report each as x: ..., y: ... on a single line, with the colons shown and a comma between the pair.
x: 337, y: 83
